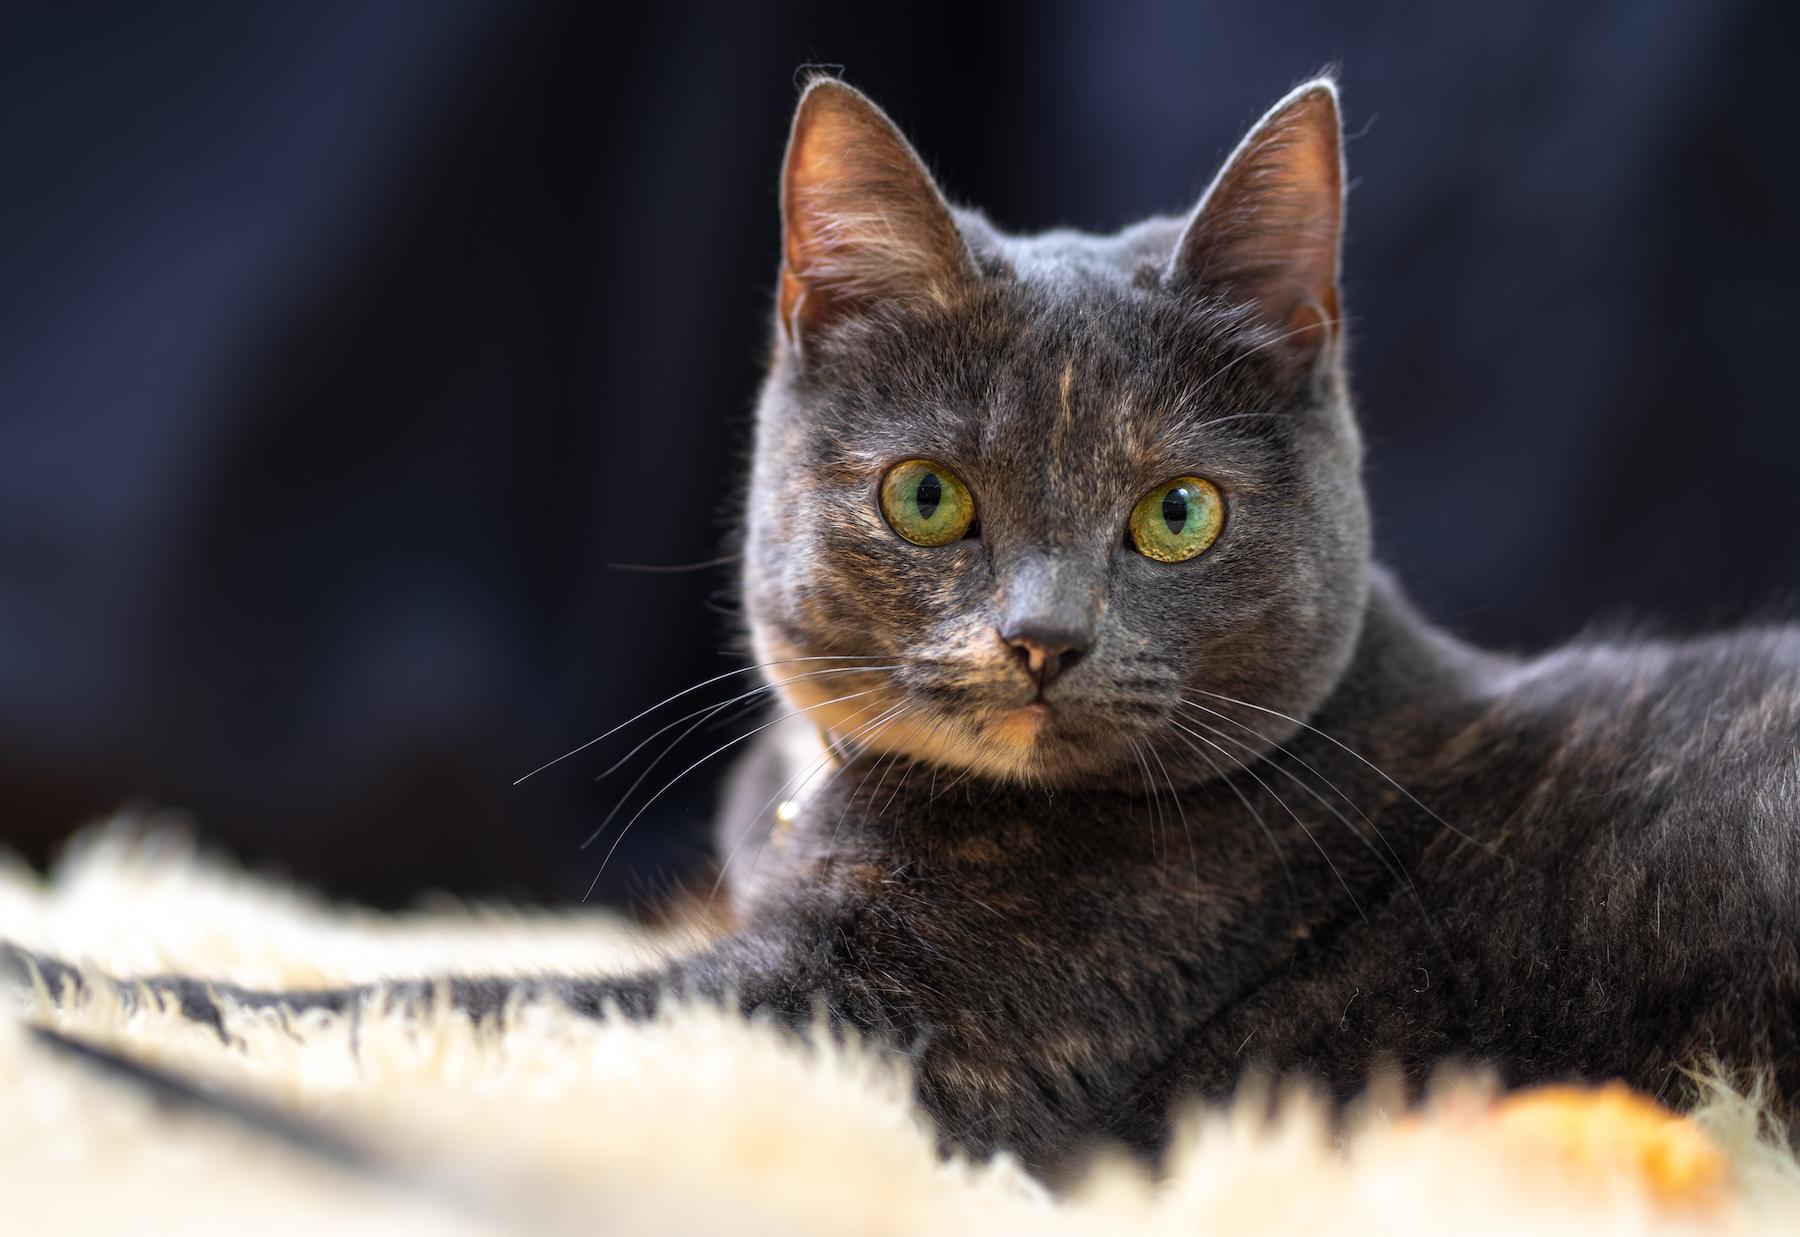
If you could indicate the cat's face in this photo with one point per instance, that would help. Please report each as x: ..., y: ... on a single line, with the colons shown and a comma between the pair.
x: 962, y: 544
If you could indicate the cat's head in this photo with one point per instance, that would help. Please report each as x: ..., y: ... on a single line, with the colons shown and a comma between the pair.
x: 1033, y: 506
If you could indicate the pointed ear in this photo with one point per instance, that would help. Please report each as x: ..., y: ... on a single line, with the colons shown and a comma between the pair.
x: 862, y: 220
x: 1266, y: 233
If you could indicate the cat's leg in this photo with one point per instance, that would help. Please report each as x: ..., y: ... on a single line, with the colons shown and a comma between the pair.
x: 26, y: 974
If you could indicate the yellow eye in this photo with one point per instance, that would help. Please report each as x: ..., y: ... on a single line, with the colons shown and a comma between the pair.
x: 1178, y: 519
x: 925, y: 503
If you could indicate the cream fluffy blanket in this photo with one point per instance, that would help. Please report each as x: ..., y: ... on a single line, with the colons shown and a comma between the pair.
x: 407, y: 1121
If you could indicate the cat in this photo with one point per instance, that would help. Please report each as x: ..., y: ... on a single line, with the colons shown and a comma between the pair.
x: 1116, y: 769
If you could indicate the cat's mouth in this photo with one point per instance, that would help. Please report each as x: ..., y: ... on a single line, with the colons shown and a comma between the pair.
x: 989, y: 719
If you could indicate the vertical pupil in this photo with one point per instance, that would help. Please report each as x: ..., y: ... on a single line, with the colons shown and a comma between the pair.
x: 1175, y: 509
x: 929, y: 494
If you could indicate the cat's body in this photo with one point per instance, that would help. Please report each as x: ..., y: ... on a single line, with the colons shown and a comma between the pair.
x: 1482, y: 860
x: 1109, y: 810
x: 1074, y: 910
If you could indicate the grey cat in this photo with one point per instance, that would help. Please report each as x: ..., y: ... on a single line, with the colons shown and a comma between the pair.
x: 1117, y: 768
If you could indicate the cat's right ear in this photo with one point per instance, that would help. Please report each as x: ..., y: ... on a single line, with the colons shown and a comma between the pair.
x: 862, y: 220
x: 1267, y: 233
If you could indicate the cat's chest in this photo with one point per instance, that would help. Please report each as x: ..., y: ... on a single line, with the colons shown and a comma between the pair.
x: 1121, y: 884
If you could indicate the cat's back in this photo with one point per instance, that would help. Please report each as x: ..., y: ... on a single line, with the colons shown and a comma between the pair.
x: 1724, y: 705
x: 1617, y: 755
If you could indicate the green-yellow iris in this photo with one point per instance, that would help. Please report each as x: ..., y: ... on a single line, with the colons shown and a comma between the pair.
x: 1178, y: 519
x: 925, y: 503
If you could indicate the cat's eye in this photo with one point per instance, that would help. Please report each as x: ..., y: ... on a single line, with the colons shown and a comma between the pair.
x: 1178, y: 519
x: 926, y: 503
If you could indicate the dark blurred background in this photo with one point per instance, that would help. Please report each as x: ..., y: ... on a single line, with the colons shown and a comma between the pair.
x: 345, y: 345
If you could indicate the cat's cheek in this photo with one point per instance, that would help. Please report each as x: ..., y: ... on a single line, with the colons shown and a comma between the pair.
x: 866, y: 723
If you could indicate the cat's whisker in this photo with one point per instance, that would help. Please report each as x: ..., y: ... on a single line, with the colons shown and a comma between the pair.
x: 1377, y: 769
x: 887, y: 764
x: 897, y: 711
x: 809, y: 771
x: 799, y: 779
x: 962, y: 776
x: 1162, y: 818
x: 1269, y: 834
x: 672, y: 781
x: 705, y: 715
x: 843, y: 629
x: 1153, y: 799
x: 922, y: 719
x: 1244, y: 416
x: 1399, y: 874
x: 1186, y: 833
x: 887, y: 717
x: 1396, y: 868
x: 851, y: 737
x: 776, y: 687
x: 739, y: 716
x: 1286, y: 807
x: 717, y: 678
x: 1289, y: 753
x: 724, y: 867
x: 760, y: 690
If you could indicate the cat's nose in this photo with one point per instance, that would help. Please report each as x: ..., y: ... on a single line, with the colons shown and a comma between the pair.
x: 1046, y: 652
x: 1049, y: 607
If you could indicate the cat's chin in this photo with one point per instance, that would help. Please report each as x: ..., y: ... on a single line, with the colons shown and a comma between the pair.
x: 1023, y: 726
x: 1022, y: 745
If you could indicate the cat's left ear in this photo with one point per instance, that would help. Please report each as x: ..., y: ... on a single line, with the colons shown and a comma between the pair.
x: 862, y: 220
x: 1266, y: 233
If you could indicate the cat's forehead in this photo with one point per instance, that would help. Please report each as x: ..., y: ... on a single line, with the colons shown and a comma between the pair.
x: 1064, y: 258
x: 1068, y: 361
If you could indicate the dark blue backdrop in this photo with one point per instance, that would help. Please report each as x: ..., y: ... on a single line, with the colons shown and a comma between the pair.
x: 343, y: 345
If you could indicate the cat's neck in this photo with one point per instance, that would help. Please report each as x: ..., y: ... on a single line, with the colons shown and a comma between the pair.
x: 1404, y: 672
x: 1409, y: 690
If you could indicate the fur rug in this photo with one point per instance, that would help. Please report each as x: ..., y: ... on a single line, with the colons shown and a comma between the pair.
x: 405, y: 1119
